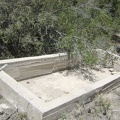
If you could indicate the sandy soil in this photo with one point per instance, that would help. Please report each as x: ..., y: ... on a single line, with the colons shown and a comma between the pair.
x: 55, y: 85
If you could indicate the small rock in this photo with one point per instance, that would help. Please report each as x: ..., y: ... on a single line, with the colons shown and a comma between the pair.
x: 111, y: 70
x: 113, y: 73
x: 102, y: 71
x: 66, y: 92
x: 97, y: 67
x: 28, y: 82
x: 89, y: 110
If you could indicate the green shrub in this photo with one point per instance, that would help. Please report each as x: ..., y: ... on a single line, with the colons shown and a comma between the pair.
x: 36, y: 27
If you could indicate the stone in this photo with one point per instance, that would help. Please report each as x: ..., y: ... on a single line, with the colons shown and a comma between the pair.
x: 28, y: 82
x: 113, y: 73
x: 111, y: 70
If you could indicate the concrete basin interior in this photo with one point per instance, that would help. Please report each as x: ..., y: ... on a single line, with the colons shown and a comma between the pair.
x: 55, y: 85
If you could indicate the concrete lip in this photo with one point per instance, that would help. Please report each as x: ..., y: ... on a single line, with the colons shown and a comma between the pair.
x: 47, y: 97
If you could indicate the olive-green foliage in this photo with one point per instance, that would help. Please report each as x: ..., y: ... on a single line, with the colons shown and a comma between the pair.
x: 35, y: 27
x: 26, y: 28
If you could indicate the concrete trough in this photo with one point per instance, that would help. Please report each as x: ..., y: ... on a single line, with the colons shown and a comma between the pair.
x: 27, y: 101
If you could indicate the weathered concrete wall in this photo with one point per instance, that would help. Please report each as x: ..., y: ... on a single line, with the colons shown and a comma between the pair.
x: 23, y: 68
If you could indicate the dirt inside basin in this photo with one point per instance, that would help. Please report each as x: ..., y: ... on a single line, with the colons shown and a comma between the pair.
x: 55, y: 85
